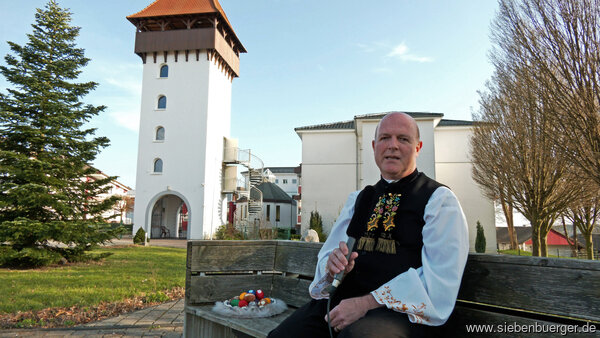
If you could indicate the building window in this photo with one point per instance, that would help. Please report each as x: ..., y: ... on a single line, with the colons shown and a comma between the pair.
x: 158, y: 165
x: 164, y: 71
x: 277, y: 213
x: 276, y: 181
x: 284, y: 181
x: 162, y: 102
x: 294, y: 181
x: 160, y: 134
x: 268, y: 213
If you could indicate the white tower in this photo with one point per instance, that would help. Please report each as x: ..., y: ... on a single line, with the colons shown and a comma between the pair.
x: 191, y: 55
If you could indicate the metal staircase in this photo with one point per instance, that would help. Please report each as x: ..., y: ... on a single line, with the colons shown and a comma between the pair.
x: 251, y: 224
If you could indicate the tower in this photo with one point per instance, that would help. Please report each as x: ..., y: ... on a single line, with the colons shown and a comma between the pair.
x: 190, y: 55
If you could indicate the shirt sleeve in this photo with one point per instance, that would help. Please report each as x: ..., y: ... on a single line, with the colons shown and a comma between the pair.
x: 428, y: 294
x: 318, y: 287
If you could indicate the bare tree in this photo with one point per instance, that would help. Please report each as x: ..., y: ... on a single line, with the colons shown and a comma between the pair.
x: 559, y: 40
x: 584, y: 214
x: 512, y: 150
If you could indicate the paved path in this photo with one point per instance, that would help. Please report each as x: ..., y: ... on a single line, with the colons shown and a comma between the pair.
x: 165, y: 320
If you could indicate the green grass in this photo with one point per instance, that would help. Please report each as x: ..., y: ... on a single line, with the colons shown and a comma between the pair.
x: 523, y: 253
x: 130, y: 271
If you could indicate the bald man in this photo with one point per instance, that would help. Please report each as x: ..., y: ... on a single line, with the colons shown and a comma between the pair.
x: 403, y: 275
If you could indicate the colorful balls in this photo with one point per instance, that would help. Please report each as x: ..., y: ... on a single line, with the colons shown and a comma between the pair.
x: 249, y: 297
x: 234, y: 302
x: 242, y: 303
x: 260, y: 294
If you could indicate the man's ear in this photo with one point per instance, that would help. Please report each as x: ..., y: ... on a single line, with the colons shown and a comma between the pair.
x: 373, y: 144
x: 419, y: 146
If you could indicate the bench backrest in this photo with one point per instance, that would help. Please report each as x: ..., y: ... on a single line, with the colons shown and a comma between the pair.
x: 494, y: 287
x: 218, y: 270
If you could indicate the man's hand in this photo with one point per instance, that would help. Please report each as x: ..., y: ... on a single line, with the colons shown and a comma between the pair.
x: 337, y: 261
x: 350, y: 310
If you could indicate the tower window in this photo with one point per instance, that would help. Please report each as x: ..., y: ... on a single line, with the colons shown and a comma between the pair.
x: 164, y: 71
x: 158, y: 165
x: 162, y: 102
x: 160, y: 134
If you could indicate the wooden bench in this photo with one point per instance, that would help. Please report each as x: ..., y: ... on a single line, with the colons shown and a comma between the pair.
x: 497, y: 290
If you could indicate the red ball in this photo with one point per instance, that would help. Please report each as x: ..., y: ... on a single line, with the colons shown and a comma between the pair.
x: 260, y: 294
x: 242, y: 303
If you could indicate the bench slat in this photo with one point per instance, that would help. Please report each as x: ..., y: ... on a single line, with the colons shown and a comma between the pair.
x: 297, y: 257
x: 293, y: 291
x: 231, y: 255
x: 561, y: 287
x: 213, y: 288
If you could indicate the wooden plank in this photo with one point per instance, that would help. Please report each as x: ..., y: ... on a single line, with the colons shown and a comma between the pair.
x: 254, y: 327
x: 220, y: 287
x: 231, y: 255
x: 503, y: 325
x: 297, y: 257
x: 563, y: 287
x: 293, y: 291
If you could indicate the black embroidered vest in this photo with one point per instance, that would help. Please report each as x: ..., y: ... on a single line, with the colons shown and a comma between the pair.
x: 387, y: 225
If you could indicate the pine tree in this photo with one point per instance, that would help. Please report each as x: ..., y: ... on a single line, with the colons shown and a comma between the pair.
x: 316, y: 223
x: 480, y: 239
x: 45, y: 149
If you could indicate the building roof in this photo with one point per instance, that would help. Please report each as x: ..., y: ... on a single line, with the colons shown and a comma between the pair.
x: 351, y: 124
x: 185, y: 9
x: 415, y: 115
x: 180, y: 7
x: 554, y: 238
x: 282, y: 170
x: 523, y: 234
x: 273, y: 193
x: 324, y: 126
x: 454, y: 123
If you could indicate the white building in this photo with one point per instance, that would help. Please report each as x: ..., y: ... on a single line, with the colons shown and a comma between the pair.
x: 287, y: 178
x: 119, y: 212
x: 278, y: 208
x: 190, y: 55
x: 337, y: 159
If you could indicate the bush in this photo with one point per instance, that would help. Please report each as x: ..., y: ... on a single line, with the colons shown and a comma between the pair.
x: 140, y: 236
x: 316, y: 223
x: 480, y: 239
x: 228, y: 232
x: 28, y: 257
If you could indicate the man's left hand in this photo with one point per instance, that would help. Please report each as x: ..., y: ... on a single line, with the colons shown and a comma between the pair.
x: 350, y: 310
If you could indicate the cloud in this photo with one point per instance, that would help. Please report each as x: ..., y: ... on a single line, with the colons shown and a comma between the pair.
x: 127, y: 119
x: 401, y: 52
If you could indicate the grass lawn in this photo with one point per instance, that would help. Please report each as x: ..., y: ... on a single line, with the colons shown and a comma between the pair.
x: 131, y: 271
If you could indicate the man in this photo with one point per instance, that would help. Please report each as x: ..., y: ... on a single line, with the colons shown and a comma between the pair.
x: 411, y: 248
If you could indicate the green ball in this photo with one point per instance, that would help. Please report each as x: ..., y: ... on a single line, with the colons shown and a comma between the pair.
x: 234, y: 302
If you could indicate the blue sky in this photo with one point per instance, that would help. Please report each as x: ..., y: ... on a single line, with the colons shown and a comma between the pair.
x: 308, y: 62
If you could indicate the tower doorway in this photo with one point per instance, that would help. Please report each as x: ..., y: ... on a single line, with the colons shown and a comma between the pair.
x: 169, y: 218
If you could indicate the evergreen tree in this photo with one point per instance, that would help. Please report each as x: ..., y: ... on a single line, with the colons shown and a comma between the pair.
x: 46, y: 190
x: 480, y: 239
x: 316, y: 223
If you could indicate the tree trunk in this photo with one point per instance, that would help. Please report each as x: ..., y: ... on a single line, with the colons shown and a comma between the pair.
x: 572, y: 245
x: 508, y: 214
x: 589, y: 245
x: 535, y: 241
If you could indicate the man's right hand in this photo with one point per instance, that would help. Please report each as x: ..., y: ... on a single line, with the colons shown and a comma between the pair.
x: 337, y: 261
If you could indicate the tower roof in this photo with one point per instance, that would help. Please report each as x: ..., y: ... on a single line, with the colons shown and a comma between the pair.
x: 180, y: 7
x: 165, y: 9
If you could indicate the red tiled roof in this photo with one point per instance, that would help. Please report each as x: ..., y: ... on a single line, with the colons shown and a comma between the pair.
x: 554, y: 238
x: 180, y: 7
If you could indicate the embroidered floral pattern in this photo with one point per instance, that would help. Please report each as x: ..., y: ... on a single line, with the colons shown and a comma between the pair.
x: 377, y: 213
x: 385, y: 208
x: 416, y: 312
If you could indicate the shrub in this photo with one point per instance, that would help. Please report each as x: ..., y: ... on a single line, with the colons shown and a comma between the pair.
x: 316, y: 223
x: 480, y: 239
x: 140, y: 236
x: 228, y: 232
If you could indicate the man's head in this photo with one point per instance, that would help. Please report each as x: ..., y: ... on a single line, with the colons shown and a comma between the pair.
x: 396, y: 145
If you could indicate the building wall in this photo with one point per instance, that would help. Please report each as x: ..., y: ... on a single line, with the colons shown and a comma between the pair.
x: 288, y: 214
x: 328, y: 174
x: 198, y: 104
x: 453, y: 169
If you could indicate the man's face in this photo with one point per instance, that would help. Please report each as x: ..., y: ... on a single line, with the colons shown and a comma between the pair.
x: 396, y: 146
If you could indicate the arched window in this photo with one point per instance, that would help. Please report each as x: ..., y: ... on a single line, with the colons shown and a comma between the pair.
x: 164, y: 71
x: 162, y: 102
x: 158, y: 165
x: 160, y: 134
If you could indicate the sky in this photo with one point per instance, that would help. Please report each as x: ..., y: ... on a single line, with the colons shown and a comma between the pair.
x: 308, y: 62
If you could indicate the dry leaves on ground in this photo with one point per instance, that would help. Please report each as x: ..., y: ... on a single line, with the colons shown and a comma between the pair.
x: 77, y: 315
